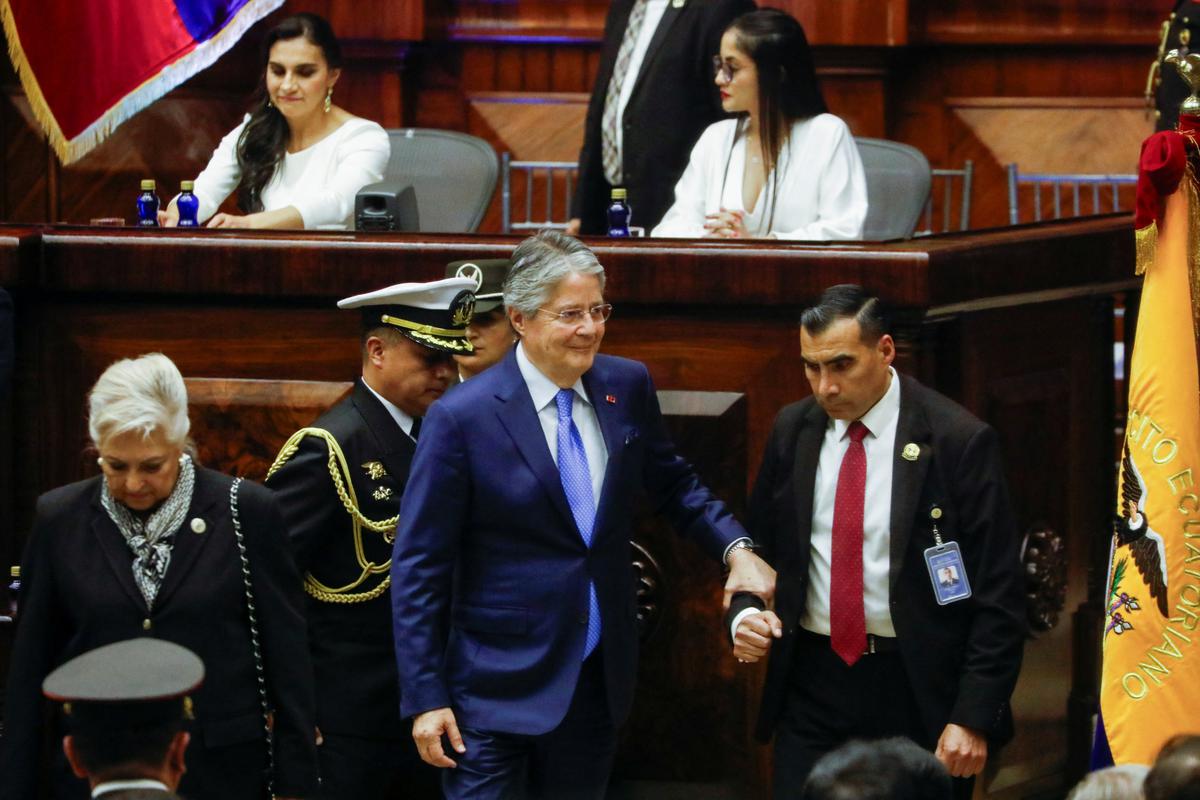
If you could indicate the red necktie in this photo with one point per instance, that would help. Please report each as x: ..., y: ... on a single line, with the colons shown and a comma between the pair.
x: 847, y: 622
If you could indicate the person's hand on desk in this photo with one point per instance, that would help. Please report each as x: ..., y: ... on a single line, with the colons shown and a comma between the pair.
x: 169, y: 217
x: 725, y: 224
x: 573, y: 226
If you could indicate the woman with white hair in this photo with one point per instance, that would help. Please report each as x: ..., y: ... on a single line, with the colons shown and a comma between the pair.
x: 158, y: 546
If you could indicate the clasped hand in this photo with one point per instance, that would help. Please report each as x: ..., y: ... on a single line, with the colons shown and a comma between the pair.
x: 725, y: 224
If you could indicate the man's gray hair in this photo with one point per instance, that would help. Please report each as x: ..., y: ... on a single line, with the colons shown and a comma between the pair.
x: 540, y: 262
x: 143, y: 394
x: 1122, y: 782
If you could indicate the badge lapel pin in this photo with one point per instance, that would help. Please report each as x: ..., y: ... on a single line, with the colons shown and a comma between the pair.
x: 677, y: 3
x: 198, y: 525
x: 374, y: 470
x: 911, y: 452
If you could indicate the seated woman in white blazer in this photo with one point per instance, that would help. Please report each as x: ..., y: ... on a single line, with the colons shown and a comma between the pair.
x: 298, y: 160
x: 784, y: 167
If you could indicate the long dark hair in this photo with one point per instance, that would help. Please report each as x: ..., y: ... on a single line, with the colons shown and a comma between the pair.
x: 787, y: 80
x: 264, y: 140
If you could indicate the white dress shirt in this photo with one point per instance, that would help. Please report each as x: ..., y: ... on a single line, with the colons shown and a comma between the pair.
x: 403, y: 420
x: 880, y: 447
x: 543, y: 391
x: 123, y: 786
x: 654, y: 14
x: 822, y: 187
x: 320, y: 181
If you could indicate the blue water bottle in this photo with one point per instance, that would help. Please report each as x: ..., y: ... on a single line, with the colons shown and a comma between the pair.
x: 147, y: 206
x: 188, y: 205
x: 619, y: 214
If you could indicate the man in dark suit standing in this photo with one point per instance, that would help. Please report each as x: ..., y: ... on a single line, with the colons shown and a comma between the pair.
x: 513, y: 591
x: 126, y: 705
x: 338, y: 483
x: 868, y: 490
x: 654, y: 96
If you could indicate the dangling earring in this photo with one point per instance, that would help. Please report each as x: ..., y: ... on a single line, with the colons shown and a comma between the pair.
x: 269, y: 103
x: 328, y: 99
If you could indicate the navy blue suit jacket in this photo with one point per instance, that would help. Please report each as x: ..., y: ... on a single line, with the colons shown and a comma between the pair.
x: 489, y: 573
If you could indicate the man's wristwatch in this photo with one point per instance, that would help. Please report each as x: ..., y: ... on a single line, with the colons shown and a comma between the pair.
x: 744, y: 543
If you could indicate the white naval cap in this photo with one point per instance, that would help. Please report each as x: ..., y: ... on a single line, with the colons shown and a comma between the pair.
x: 433, y: 314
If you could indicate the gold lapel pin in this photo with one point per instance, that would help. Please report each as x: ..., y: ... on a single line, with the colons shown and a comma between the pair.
x: 374, y: 470
x: 198, y: 525
x: 910, y: 452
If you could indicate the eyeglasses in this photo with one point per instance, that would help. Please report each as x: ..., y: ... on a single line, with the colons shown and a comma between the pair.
x: 573, y: 317
x: 724, y: 69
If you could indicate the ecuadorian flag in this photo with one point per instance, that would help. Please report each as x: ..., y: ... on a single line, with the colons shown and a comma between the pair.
x: 89, y: 65
x: 1150, y: 688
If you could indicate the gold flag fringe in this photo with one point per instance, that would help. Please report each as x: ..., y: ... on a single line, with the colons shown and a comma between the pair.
x: 201, y: 57
x: 1146, y: 247
x: 1193, y: 246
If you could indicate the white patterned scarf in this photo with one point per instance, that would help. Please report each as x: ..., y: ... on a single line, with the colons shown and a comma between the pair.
x: 151, y: 538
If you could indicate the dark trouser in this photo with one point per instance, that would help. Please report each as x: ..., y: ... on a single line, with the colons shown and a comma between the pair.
x: 357, y: 768
x: 829, y: 703
x: 571, y: 762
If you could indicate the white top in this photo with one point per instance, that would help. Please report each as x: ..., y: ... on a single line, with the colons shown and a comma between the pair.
x: 880, y: 447
x: 654, y: 14
x: 822, y: 187
x: 124, y: 786
x: 543, y: 390
x: 319, y: 181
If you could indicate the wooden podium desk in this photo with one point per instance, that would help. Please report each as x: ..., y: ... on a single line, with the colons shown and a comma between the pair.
x: 1015, y: 323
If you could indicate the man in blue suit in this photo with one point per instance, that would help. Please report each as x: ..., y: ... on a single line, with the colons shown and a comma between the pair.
x: 512, y: 588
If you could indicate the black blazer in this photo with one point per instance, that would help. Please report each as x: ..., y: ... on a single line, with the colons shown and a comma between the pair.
x: 78, y: 593
x: 672, y: 103
x: 962, y: 659
x: 353, y: 654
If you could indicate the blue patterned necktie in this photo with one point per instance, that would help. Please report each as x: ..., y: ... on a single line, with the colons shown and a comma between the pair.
x: 577, y: 483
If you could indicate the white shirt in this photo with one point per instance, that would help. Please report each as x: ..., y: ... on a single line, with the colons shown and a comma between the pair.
x: 404, y: 421
x: 822, y: 188
x: 121, y: 786
x: 320, y: 181
x: 880, y: 447
x: 543, y: 391
x: 654, y: 14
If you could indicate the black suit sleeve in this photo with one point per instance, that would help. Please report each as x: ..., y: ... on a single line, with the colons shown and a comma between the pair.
x: 34, y: 654
x: 307, y: 499
x: 996, y: 635
x: 284, y: 641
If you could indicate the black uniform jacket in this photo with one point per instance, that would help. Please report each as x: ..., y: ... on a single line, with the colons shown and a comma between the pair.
x: 78, y: 593
x: 963, y: 658
x: 351, y: 643
x: 672, y: 103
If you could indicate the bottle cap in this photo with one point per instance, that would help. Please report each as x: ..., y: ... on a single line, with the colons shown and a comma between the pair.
x: 148, y: 185
x: 618, y: 193
x: 16, y: 572
x: 186, y: 186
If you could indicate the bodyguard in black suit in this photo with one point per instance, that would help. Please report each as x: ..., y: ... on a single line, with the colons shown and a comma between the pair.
x: 673, y: 100
x: 940, y: 673
x: 339, y: 484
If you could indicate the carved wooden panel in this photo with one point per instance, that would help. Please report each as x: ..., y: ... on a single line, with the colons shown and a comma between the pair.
x: 689, y: 717
x: 238, y: 425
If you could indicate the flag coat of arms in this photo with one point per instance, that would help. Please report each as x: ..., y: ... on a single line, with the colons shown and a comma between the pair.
x: 1150, y: 686
x: 89, y: 65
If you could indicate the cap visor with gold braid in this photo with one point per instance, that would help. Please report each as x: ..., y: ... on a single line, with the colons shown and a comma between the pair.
x: 433, y: 314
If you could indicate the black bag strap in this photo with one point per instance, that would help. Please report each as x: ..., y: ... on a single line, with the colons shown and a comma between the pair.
x: 260, y: 672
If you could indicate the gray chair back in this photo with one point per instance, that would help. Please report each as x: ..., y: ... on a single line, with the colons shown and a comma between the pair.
x: 453, y: 174
x: 1104, y: 191
x: 898, y: 180
x: 947, y: 178
x: 553, y: 208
